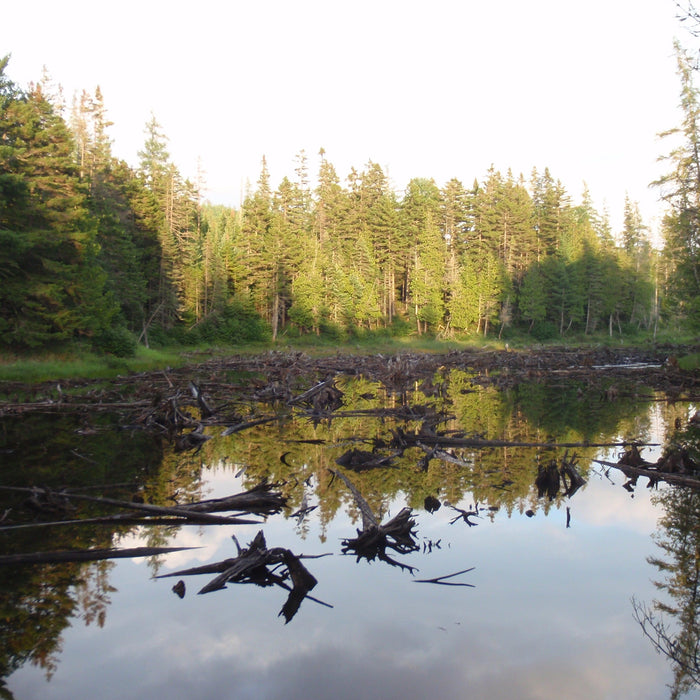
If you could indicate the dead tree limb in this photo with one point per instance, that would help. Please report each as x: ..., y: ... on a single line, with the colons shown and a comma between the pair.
x: 261, y: 499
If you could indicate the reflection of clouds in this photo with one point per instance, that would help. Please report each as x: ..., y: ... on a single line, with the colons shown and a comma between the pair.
x: 209, y: 542
x: 536, y: 626
x: 392, y: 660
x: 610, y: 506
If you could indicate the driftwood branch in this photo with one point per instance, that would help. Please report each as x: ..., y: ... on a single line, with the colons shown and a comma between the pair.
x: 260, y: 500
x: 374, y: 538
x: 120, y: 519
x: 248, y: 424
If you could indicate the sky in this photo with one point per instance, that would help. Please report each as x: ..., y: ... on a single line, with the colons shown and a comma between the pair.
x: 442, y: 89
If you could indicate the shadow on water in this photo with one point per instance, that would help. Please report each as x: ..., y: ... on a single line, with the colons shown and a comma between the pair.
x: 311, y: 451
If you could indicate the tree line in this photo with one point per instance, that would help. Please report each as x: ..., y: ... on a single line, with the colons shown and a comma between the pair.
x: 96, y: 251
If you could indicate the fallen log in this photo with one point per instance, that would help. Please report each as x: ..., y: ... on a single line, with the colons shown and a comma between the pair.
x: 261, y: 499
x: 368, y: 517
x: 81, y: 555
x: 326, y: 389
x: 248, y: 424
x: 435, y: 453
x: 120, y: 519
x: 244, y: 566
x: 361, y: 460
x: 205, y: 409
x: 418, y: 440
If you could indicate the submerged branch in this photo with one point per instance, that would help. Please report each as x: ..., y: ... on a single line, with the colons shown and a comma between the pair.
x: 368, y: 517
x: 201, y: 516
x: 440, y: 580
x: 79, y: 555
x: 442, y: 441
x: 653, y: 474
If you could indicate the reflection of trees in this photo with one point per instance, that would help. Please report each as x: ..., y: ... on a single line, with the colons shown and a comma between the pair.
x: 297, y: 452
x: 673, y: 625
x: 38, y: 602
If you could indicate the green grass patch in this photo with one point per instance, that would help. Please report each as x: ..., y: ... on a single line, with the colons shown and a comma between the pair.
x: 689, y: 362
x: 84, y: 366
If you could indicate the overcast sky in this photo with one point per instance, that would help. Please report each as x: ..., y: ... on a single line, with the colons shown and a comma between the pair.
x: 435, y: 89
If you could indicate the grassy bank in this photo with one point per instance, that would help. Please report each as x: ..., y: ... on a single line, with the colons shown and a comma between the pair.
x: 51, y: 367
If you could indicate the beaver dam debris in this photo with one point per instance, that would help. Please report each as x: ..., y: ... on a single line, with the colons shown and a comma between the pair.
x: 262, y: 567
x: 182, y: 409
x: 194, y: 397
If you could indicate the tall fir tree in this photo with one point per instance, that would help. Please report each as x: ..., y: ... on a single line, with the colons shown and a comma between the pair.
x: 53, y: 289
x: 680, y: 188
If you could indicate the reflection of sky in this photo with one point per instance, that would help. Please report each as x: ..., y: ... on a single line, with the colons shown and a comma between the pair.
x: 550, y: 617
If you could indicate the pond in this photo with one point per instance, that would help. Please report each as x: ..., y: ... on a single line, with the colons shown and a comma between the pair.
x: 498, y: 583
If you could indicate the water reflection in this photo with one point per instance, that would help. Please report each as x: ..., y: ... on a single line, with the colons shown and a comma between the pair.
x: 444, y: 511
x: 672, y: 620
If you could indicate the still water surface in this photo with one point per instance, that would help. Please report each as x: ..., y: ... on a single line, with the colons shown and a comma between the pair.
x: 548, y: 614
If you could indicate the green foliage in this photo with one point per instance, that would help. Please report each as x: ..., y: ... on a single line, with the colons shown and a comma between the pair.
x: 544, y: 330
x: 117, y: 341
x: 236, y: 323
x: 53, y: 290
x: 86, y: 241
x: 680, y: 188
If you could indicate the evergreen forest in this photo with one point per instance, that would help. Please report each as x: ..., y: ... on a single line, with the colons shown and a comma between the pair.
x: 100, y: 254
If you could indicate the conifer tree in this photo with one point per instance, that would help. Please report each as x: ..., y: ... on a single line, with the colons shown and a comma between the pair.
x: 680, y: 188
x: 53, y: 289
x: 420, y: 215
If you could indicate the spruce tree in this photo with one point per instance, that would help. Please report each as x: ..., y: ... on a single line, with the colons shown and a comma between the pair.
x: 680, y: 188
x: 53, y: 289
